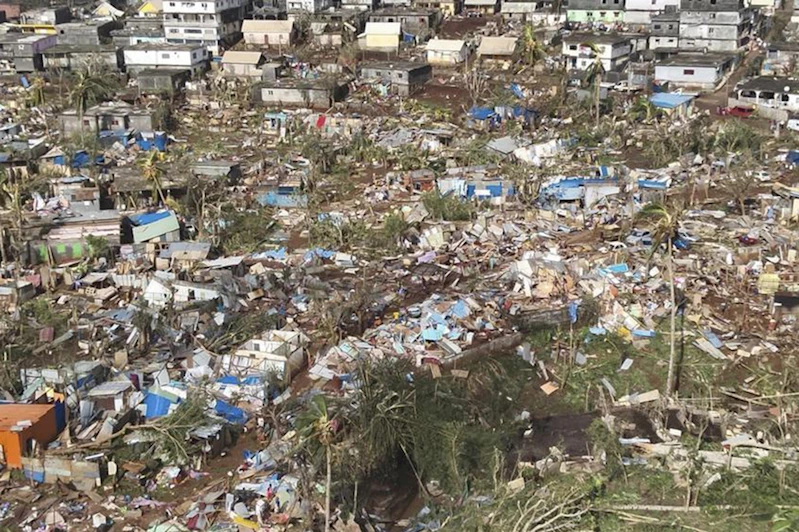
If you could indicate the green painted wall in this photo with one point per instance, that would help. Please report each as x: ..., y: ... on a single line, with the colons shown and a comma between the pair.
x: 585, y: 15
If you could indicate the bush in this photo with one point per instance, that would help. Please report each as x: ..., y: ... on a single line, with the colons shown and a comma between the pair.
x: 447, y: 207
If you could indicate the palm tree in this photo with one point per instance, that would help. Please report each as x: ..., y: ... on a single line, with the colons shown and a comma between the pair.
x: 665, y: 222
x: 533, y: 50
x: 594, y: 74
x: 152, y: 173
x: 643, y: 109
x: 318, y: 428
x: 91, y: 86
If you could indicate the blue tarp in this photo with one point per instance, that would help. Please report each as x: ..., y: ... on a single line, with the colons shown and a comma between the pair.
x: 793, y: 157
x: 80, y: 159
x: 274, y: 254
x: 232, y: 413
x: 149, y: 217
x: 60, y: 415
x: 481, y: 113
x: 273, y: 199
x: 149, y: 141
x: 669, y: 100
x: 156, y: 405
x: 318, y: 252
x: 230, y: 379
x: 516, y: 90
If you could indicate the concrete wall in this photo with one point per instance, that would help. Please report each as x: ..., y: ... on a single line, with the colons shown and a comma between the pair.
x: 268, y: 39
x: 382, y: 42
x: 313, y: 97
x: 611, y: 16
x: 597, y: 5
x: 656, y: 42
x: 693, y: 76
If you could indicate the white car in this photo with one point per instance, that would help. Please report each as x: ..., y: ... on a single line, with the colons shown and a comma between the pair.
x: 760, y: 175
x: 624, y: 86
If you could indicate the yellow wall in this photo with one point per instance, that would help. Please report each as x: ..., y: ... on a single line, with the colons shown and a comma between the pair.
x: 382, y: 42
x: 148, y: 9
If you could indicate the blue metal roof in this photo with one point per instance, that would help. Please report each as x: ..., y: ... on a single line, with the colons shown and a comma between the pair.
x: 669, y: 100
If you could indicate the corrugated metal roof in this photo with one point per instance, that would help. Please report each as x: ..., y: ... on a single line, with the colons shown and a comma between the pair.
x: 446, y: 45
x: 246, y: 58
x: 497, y: 46
x: 267, y: 26
x: 110, y: 388
x: 382, y: 28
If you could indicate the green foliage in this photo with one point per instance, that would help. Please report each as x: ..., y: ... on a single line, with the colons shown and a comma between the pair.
x: 91, y: 85
x: 759, y: 490
x: 393, y: 229
x: 785, y: 521
x: 245, y: 230
x: 170, y: 432
x: 447, y: 207
x: 98, y: 246
x: 42, y: 311
x: 339, y: 234
x: 736, y: 136
x: 430, y: 423
x: 604, y: 440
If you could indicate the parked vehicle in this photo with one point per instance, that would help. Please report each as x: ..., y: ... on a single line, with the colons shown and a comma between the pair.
x: 737, y: 111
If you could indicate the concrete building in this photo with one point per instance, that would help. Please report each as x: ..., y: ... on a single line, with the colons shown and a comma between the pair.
x: 695, y: 71
x: 381, y: 37
x: 132, y: 36
x: 193, y: 57
x: 715, y: 25
x: 269, y: 33
x: 22, y: 52
x: 497, y: 49
x: 162, y: 80
x: 109, y: 116
x: 590, y: 11
x: 87, y: 33
x: 298, y: 7
x: 665, y: 31
x: 415, y: 21
x: 359, y: 5
x: 404, y: 78
x: 447, y: 51
x: 613, y: 51
x: 243, y: 64
x: 640, y: 12
x: 485, y: 8
x: 773, y: 92
x: 782, y: 59
x: 46, y: 16
x: 520, y: 9
x: 315, y: 93
x: 216, y: 24
x: 447, y: 8
x: 74, y: 57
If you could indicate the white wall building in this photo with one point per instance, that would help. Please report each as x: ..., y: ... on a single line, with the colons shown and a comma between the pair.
x: 278, y: 351
x: 777, y: 93
x: 307, y: 6
x: 447, y: 51
x: 613, y: 50
x: 641, y: 11
x: 173, y: 56
x: 216, y: 24
x: 696, y: 71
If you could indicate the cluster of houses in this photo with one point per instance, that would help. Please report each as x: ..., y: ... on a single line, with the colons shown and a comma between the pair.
x: 692, y: 44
